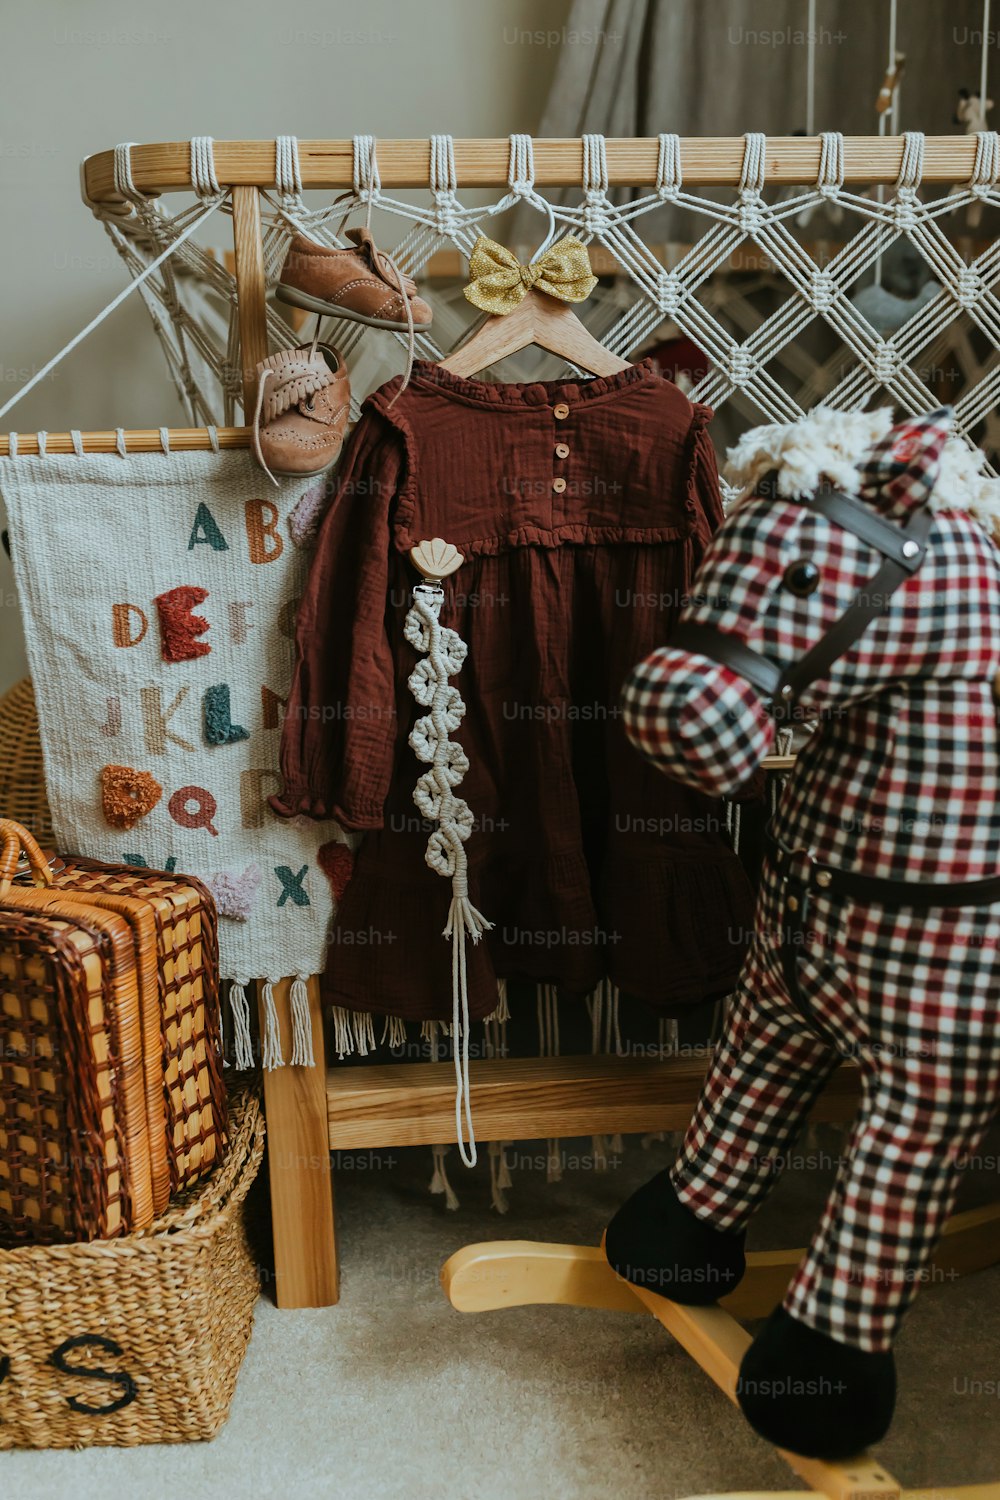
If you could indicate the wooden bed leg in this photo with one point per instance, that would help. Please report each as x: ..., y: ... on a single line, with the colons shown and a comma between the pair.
x: 298, y: 1149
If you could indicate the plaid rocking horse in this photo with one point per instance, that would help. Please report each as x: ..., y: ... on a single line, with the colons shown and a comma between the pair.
x: 865, y: 595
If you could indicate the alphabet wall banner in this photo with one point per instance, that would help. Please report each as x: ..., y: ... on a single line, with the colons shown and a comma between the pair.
x: 159, y: 594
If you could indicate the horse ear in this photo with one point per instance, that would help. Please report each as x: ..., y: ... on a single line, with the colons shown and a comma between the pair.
x: 899, y: 472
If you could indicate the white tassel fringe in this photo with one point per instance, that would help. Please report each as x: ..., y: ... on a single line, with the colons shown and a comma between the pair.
x: 302, y: 1039
x: 439, y: 1181
x: 271, y: 1050
x: 239, y: 1009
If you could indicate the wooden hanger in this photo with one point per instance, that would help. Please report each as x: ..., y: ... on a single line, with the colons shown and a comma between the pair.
x: 537, y: 319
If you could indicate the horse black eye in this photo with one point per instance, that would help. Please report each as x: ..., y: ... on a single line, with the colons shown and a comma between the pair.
x: 801, y: 577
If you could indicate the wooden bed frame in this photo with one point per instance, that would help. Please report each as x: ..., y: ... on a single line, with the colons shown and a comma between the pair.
x: 311, y: 1111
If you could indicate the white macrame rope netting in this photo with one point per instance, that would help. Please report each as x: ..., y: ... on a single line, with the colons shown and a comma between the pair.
x: 192, y: 297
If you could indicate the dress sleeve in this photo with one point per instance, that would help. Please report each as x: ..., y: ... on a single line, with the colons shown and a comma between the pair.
x: 704, y: 496
x: 339, y: 728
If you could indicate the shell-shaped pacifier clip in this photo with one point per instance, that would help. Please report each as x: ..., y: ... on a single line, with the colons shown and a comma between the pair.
x: 442, y: 653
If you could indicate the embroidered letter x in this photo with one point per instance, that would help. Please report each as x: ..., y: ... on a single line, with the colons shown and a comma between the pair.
x: 291, y: 885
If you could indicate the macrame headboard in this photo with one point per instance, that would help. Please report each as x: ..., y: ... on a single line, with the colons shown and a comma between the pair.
x: 753, y: 220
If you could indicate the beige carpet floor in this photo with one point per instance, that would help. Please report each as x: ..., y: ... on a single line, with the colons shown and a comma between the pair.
x: 393, y: 1394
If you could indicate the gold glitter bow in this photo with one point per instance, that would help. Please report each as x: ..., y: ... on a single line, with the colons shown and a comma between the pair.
x: 498, y: 281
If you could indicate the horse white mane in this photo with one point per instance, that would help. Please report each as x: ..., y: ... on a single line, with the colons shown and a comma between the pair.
x: 827, y: 444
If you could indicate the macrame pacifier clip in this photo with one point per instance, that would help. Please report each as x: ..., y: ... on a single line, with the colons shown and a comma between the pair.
x: 443, y: 653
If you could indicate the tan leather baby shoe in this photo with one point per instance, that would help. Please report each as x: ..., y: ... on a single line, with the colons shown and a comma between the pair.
x: 362, y: 284
x: 303, y: 402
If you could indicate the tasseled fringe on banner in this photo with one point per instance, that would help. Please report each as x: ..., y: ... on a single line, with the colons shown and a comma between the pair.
x: 494, y: 1037
x: 547, y: 1003
x: 612, y: 1035
x: 669, y: 1037
x: 495, y: 1045
x: 499, y: 1176
x: 394, y: 1031
x: 364, y: 1033
x: 342, y: 1043
x: 603, y: 1008
x: 594, y: 1003
x: 354, y: 1031
x: 271, y: 1049
x: 548, y: 1020
x: 439, y: 1181
x: 239, y: 1009
x: 302, y: 1037
x: 502, y: 1012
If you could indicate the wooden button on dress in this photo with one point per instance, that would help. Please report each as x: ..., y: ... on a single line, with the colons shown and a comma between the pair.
x: 560, y: 412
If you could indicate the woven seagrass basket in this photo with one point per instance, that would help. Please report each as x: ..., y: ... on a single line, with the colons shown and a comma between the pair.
x: 22, y: 780
x: 138, y: 1339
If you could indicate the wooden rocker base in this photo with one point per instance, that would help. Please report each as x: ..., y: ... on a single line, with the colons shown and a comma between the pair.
x: 516, y: 1273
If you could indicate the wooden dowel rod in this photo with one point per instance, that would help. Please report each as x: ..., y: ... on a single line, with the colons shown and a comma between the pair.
x: 137, y: 440
x: 706, y: 161
x: 251, y: 287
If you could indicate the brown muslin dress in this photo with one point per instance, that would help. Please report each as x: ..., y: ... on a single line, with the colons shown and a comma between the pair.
x: 582, y: 508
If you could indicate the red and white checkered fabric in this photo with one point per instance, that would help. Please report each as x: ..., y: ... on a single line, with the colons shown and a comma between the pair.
x: 901, y: 779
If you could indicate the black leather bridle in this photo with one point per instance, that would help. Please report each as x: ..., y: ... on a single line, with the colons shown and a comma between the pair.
x: 903, y: 549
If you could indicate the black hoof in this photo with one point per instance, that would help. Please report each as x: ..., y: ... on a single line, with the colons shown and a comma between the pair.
x: 807, y: 1393
x: 655, y: 1241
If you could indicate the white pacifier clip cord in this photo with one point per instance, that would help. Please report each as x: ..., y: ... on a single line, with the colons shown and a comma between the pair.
x: 443, y: 652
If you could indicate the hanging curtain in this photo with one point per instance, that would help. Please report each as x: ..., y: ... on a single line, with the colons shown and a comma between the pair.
x: 722, y: 67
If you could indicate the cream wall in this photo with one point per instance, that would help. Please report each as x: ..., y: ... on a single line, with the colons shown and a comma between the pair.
x: 80, y: 77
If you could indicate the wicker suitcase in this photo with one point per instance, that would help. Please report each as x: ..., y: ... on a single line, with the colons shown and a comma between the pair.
x: 168, y: 925
x: 189, y: 1055
x: 74, y: 1146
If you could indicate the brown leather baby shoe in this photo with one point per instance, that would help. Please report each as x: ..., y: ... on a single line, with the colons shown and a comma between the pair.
x: 303, y: 402
x: 362, y: 284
